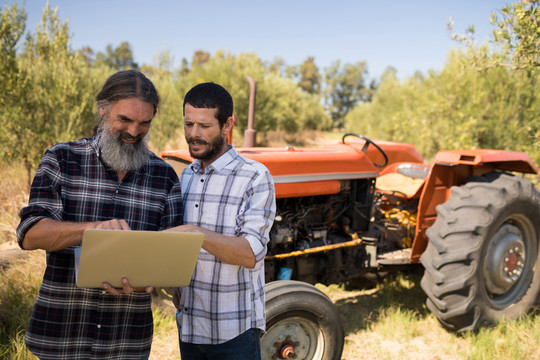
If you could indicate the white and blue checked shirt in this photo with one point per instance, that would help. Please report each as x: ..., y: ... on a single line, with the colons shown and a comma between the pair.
x: 236, y: 197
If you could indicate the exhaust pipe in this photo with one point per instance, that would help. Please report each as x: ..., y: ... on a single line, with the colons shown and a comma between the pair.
x: 250, y: 135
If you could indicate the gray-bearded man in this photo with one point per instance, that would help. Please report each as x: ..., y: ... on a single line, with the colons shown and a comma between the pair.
x: 109, y: 181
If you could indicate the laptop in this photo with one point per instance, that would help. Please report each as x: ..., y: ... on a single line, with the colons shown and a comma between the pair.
x: 145, y: 258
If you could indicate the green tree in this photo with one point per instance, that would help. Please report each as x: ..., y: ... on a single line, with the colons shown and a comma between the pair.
x: 166, y: 129
x: 54, y: 99
x: 87, y: 53
x: 184, y: 67
x: 280, y: 104
x: 200, y: 57
x: 12, y: 26
x: 13, y: 81
x: 345, y: 87
x: 118, y: 58
x: 310, y: 78
x: 516, y: 48
x: 277, y: 66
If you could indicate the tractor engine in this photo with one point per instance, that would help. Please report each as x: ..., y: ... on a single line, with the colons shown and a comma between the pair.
x: 310, y: 237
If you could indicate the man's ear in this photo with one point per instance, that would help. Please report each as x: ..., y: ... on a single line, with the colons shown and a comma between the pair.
x: 228, y: 125
x: 102, y: 110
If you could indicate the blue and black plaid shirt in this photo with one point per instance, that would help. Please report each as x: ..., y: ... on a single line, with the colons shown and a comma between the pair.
x: 73, y: 184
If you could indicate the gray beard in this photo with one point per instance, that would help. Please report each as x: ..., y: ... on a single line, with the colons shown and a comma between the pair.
x: 119, y: 155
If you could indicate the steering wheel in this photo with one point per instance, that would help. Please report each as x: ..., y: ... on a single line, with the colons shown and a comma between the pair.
x: 366, y: 145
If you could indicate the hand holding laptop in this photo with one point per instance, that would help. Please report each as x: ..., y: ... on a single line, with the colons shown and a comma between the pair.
x: 123, y: 261
x: 126, y: 288
x: 120, y: 224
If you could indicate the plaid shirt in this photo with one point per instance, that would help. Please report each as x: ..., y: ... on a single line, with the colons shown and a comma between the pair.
x: 235, y: 196
x: 72, y: 184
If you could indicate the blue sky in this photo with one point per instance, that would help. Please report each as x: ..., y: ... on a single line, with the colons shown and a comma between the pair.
x: 408, y: 35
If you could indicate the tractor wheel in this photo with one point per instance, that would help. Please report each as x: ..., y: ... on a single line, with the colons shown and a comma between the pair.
x: 301, y: 323
x: 482, y: 261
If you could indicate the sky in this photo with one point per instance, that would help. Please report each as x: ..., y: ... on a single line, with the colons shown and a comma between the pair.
x: 407, y: 35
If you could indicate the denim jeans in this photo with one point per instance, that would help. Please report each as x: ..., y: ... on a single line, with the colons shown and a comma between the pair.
x: 245, y: 346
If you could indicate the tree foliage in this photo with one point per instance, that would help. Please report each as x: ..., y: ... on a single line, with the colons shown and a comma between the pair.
x: 52, y: 93
x: 280, y: 103
x: 484, y: 97
x: 117, y: 58
x: 310, y: 78
x: 346, y: 86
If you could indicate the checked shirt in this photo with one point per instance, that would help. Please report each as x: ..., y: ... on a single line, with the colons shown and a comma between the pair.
x: 235, y: 196
x: 73, y: 184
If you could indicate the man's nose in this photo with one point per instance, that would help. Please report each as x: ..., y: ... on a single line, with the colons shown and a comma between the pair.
x: 195, y: 132
x: 133, y: 130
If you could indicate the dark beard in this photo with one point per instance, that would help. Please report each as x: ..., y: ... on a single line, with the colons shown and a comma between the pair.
x: 215, y: 147
x: 119, y: 155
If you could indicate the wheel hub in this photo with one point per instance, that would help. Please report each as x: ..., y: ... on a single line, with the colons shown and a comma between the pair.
x: 505, y: 260
x: 293, y: 338
x: 285, y: 349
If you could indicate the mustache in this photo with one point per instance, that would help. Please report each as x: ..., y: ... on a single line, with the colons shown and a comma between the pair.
x: 127, y: 136
x: 191, y: 140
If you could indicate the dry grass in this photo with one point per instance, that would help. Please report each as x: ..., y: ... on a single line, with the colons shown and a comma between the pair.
x: 387, y: 322
x: 14, y: 195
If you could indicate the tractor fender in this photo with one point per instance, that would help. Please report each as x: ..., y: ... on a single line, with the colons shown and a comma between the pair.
x: 453, y: 168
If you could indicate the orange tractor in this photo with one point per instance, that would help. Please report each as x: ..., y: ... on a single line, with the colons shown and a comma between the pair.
x: 358, y: 207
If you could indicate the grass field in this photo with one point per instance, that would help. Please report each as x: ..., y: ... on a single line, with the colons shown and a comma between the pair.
x: 389, y: 321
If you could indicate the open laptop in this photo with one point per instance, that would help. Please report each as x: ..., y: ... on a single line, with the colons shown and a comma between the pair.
x: 145, y: 258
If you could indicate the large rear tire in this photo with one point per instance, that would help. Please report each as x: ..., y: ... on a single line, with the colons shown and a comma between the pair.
x: 482, y: 261
x: 301, y: 323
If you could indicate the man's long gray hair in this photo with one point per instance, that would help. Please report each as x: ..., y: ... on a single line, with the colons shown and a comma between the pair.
x: 128, y: 84
x: 124, y: 85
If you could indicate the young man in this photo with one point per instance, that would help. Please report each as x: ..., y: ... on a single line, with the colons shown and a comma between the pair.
x: 110, y: 181
x: 231, y: 200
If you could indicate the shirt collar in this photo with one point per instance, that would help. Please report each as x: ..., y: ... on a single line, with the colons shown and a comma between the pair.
x: 94, y: 143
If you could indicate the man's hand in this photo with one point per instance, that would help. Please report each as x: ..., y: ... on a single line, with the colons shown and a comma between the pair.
x: 54, y: 235
x: 126, y: 288
x: 114, y: 224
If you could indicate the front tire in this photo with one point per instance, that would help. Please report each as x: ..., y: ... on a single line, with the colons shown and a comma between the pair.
x: 301, y: 323
x: 482, y: 261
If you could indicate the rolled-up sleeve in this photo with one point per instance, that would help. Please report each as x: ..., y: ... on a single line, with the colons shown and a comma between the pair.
x: 174, y: 209
x: 257, y: 215
x: 45, y: 198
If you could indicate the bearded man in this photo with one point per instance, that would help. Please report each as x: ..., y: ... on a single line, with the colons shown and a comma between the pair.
x: 231, y: 200
x: 109, y: 181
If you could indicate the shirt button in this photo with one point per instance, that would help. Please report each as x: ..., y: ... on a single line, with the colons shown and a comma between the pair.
x: 196, y: 205
x: 103, y: 292
x: 116, y: 191
x: 202, y: 180
x: 99, y: 326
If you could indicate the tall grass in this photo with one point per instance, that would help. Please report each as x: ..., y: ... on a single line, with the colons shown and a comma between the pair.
x: 13, y: 196
x: 20, y: 284
x: 391, y: 321
x: 387, y: 322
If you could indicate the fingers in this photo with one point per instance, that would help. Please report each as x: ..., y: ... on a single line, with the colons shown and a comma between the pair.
x: 126, y: 288
x: 114, y: 224
x: 111, y: 290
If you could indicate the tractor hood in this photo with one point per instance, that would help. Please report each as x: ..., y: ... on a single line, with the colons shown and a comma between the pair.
x: 316, y: 171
